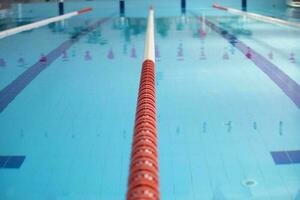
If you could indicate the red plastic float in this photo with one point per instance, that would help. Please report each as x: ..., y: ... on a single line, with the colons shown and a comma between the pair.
x: 143, y: 181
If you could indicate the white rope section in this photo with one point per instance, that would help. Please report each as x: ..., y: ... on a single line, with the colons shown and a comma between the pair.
x: 44, y: 22
x: 257, y: 16
x: 149, y: 53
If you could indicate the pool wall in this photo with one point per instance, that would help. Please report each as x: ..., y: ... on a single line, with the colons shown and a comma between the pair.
x: 50, y: 9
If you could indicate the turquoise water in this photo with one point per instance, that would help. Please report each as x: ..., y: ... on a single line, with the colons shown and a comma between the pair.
x: 219, y: 115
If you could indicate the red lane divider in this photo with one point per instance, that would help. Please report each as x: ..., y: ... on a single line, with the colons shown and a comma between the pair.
x: 84, y: 10
x: 219, y: 7
x: 143, y: 183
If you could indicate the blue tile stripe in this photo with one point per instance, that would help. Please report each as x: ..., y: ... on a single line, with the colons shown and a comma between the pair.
x: 3, y: 161
x: 11, y: 162
x: 294, y: 156
x: 9, y: 93
x: 280, y: 158
x: 290, y: 87
x: 286, y: 157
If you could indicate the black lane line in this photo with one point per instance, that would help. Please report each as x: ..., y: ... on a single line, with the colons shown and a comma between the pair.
x: 9, y: 93
x: 290, y: 87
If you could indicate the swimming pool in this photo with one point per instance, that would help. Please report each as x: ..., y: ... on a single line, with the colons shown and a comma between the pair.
x: 228, y: 125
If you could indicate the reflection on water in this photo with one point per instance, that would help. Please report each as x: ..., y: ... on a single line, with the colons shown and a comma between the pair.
x: 163, y: 26
x: 96, y: 38
x: 7, y: 23
x: 128, y: 28
x: 137, y: 26
x: 132, y: 27
x: 236, y: 26
x: 181, y: 22
x: 293, y: 12
x: 58, y: 27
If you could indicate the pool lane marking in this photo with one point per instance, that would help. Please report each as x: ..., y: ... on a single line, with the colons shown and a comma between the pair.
x: 286, y: 157
x: 9, y: 93
x: 41, y: 23
x: 290, y: 87
x: 11, y: 162
x: 256, y: 16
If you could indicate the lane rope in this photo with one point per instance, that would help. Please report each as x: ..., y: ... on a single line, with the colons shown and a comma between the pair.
x: 257, y: 16
x: 143, y: 181
x: 41, y: 23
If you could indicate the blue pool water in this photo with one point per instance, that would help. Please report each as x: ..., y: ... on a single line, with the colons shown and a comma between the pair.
x: 228, y: 125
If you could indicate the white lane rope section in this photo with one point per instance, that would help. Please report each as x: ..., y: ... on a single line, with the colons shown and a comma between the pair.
x: 44, y: 22
x: 257, y: 16
x: 149, y: 53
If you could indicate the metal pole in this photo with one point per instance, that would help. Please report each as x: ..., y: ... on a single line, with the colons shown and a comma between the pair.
x: 61, y: 9
x: 183, y: 6
x: 244, y: 5
x: 122, y: 8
